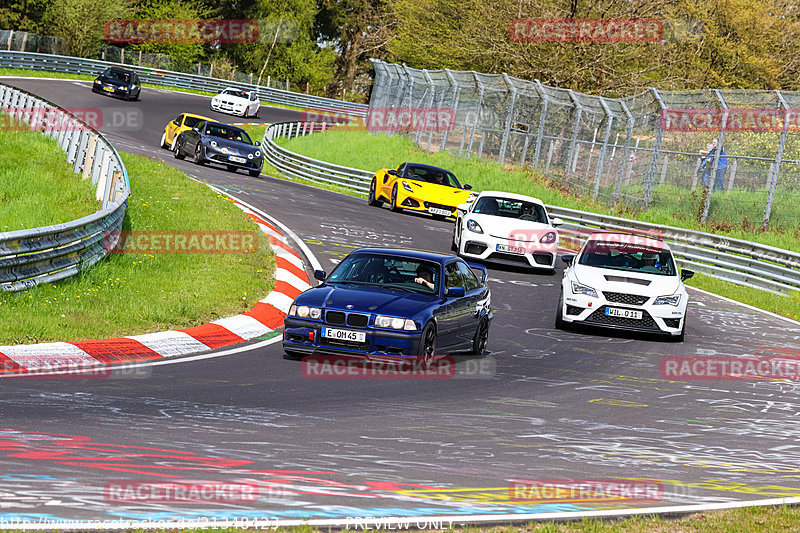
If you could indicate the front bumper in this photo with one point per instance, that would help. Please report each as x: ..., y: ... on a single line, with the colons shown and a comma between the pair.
x: 110, y: 90
x: 582, y: 309
x: 417, y: 203
x: 484, y: 247
x: 229, y: 109
x: 215, y: 156
x: 305, y: 337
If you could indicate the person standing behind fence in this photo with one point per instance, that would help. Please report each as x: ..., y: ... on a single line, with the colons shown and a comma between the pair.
x: 708, y: 163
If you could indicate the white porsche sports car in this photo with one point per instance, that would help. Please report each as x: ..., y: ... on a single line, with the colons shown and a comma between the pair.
x: 626, y: 282
x: 237, y: 102
x: 508, y: 228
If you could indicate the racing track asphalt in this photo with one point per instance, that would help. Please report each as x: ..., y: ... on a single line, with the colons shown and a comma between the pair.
x: 546, y: 404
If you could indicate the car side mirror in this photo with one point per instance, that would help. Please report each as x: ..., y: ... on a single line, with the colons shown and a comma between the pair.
x: 196, y: 129
x: 686, y: 274
x: 556, y: 222
x: 320, y: 275
x: 258, y: 143
x: 393, y: 172
x: 568, y: 258
x: 456, y: 292
x: 467, y: 187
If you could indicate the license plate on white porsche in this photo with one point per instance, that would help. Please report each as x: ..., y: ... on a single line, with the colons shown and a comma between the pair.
x: 510, y: 249
x: 236, y: 159
x: 624, y: 313
x: 437, y: 211
x: 344, y: 335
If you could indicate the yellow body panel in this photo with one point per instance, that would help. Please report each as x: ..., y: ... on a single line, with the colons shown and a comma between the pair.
x: 171, y: 131
x: 422, y: 191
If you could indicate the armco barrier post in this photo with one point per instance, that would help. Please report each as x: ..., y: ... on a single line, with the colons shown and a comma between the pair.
x: 80, y: 152
x: 88, y: 162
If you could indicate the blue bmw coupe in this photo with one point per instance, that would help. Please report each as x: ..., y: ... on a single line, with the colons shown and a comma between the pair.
x: 380, y: 303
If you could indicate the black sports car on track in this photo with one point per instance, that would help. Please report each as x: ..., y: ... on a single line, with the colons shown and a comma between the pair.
x: 214, y: 142
x: 116, y: 81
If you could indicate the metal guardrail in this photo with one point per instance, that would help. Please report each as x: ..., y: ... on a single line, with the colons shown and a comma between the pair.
x: 737, y: 261
x: 75, y: 65
x: 49, y: 253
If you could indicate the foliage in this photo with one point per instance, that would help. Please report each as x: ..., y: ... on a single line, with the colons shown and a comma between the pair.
x: 80, y: 23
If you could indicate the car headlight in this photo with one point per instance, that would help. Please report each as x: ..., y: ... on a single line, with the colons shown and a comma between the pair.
x: 258, y: 153
x: 668, y: 300
x: 474, y: 226
x: 213, y: 143
x: 393, y: 322
x: 548, y: 238
x: 98, y: 81
x: 133, y: 86
x: 577, y: 288
x: 304, y: 311
x: 249, y: 156
x: 407, y: 187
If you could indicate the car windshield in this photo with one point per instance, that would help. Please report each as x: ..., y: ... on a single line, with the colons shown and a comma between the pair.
x: 388, y: 271
x: 191, y: 122
x: 227, y: 132
x: 118, y: 75
x: 510, y: 208
x: 431, y: 175
x: 235, y: 92
x: 616, y: 256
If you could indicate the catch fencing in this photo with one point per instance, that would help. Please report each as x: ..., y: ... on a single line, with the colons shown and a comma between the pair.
x: 43, y: 255
x: 616, y: 149
x: 745, y: 263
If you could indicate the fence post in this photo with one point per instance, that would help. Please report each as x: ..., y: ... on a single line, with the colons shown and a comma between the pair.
x: 549, y: 156
x: 651, y: 168
x: 432, y: 88
x: 454, y: 105
x: 623, y: 164
x: 509, y: 119
x: 572, y: 141
x: 778, y: 160
x: 481, y: 89
x: 717, y: 153
x: 602, y: 160
x: 734, y: 164
x: 664, y: 170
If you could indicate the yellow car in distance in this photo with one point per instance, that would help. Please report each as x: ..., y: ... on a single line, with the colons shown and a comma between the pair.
x: 418, y: 187
x: 183, y: 122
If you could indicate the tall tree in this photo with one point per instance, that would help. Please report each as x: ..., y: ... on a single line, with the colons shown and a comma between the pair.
x: 80, y: 23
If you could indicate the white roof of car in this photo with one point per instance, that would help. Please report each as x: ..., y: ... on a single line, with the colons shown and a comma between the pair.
x: 511, y: 196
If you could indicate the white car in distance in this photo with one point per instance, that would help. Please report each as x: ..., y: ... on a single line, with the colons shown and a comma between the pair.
x: 624, y: 281
x: 238, y: 102
x: 507, y: 228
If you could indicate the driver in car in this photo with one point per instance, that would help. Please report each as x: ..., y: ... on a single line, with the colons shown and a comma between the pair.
x: 424, y: 277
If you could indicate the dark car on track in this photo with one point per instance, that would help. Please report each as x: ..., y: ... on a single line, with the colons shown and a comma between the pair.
x: 214, y: 142
x: 394, y: 303
x: 116, y: 81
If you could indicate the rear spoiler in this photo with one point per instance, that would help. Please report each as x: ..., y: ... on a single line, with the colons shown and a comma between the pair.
x: 478, y: 266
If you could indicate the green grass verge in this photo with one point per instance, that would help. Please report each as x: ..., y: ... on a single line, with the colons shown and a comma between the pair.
x: 127, y: 294
x: 365, y: 151
x: 34, y: 175
x: 370, y: 152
